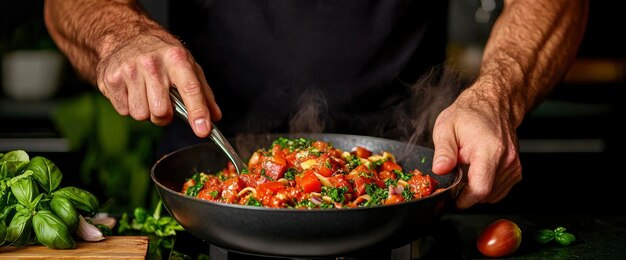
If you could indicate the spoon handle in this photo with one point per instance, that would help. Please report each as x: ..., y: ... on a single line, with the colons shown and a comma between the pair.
x: 215, y: 134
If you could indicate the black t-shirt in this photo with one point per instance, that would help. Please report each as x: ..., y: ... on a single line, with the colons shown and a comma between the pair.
x: 267, y: 59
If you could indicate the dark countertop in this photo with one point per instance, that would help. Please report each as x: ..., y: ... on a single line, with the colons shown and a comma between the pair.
x: 597, y: 237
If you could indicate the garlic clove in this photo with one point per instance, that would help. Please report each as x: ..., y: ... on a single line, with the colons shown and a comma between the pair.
x: 88, y: 232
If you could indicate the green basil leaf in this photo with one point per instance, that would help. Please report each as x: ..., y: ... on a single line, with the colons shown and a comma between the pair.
x: 12, y: 163
x: 544, y: 236
x: 3, y: 231
x: 565, y: 238
x: 45, y: 173
x: 63, y: 208
x: 80, y: 199
x: 20, y: 228
x: 24, y: 189
x: 51, y: 231
x: 559, y: 230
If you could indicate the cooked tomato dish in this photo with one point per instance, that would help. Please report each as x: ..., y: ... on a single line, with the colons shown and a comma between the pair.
x: 307, y: 174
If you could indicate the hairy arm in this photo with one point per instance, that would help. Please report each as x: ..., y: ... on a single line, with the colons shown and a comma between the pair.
x: 529, y: 50
x: 131, y: 58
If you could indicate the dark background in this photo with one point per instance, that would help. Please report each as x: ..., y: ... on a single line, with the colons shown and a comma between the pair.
x: 570, y: 145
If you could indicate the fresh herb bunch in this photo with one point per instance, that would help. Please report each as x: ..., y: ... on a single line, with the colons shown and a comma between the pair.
x: 558, y: 234
x: 149, y: 224
x: 32, y: 201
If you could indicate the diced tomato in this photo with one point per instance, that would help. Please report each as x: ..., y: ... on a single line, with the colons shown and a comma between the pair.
x: 275, y: 170
x: 362, y: 170
x: 207, y: 194
x: 422, y: 185
x: 394, y: 199
x: 272, y: 187
x: 384, y: 175
x: 340, y: 181
x: 308, y: 182
x: 362, y: 152
x: 390, y: 166
x: 322, y: 146
x: 359, y: 185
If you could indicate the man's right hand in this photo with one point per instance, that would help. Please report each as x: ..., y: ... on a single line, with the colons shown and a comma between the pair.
x: 137, y: 75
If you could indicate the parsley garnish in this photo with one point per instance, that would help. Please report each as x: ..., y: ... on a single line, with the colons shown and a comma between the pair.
x: 199, y: 179
x: 337, y: 194
x: 405, y: 176
x: 353, y: 162
x: 253, y: 202
x: 407, y: 194
x: 292, y: 144
x: 213, y: 194
x: 378, y: 194
x: 290, y: 174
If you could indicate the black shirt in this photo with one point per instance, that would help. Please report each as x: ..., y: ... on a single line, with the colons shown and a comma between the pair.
x: 350, y: 60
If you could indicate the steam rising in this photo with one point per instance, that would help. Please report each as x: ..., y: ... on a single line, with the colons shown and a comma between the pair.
x: 311, y: 116
x: 411, y: 121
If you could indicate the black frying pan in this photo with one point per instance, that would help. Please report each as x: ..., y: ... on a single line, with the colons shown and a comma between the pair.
x: 300, y: 233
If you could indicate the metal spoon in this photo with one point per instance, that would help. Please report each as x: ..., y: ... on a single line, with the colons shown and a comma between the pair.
x: 215, y: 134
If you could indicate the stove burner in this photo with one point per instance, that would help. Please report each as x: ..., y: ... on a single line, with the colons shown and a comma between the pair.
x: 444, y: 242
x: 410, y: 251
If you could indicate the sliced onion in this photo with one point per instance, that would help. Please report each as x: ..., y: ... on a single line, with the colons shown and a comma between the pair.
x: 324, y: 180
x: 316, y: 201
x: 395, y: 190
x: 327, y: 199
x: 247, y: 189
x: 316, y: 195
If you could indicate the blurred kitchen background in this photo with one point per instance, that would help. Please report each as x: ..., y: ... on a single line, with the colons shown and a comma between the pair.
x: 569, y: 145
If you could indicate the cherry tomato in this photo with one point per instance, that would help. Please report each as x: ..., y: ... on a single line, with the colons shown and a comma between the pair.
x: 502, y: 237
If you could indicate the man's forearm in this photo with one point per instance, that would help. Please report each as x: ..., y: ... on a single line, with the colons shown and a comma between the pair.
x: 529, y: 50
x: 87, y: 31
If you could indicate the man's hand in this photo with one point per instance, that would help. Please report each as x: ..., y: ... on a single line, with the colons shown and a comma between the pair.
x: 133, y: 60
x: 136, y: 78
x: 476, y: 131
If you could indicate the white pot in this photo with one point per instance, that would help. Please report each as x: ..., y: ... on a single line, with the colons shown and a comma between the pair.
x: 31, y: 75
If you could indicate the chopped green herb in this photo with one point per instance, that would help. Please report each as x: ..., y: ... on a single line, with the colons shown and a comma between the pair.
x: 391, y: 182
x: 405, y: 176
x: 423, y: 160
x: 213, y: 194
x: 253, y: 202
x: 337, y: 194
x: 353, y: 162
x: 291, y: 174
x: 199, y: 179
x: 245, y: 171
x: 407, y: 194
x: 292, y: 144
x: 377, y: 194
x: 376, y: 164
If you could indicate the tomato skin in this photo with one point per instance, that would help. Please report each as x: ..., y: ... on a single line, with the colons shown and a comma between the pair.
x: 390, y: 166
x: 362, y: 152
x: 308, y: 182
x: 393, y: 199
x: 500, y: 238
x: 384, y: 175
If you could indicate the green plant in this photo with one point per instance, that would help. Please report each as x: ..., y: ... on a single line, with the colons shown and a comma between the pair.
x: 118, y: 150
x: 31, y: 202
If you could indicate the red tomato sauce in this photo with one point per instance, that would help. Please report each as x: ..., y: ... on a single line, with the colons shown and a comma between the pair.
x: 306, y: 174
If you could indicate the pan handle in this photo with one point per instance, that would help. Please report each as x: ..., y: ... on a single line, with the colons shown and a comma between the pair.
x: 215, y: 134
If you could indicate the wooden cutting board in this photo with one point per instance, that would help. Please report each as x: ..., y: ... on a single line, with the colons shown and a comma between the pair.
x: 113, y: 247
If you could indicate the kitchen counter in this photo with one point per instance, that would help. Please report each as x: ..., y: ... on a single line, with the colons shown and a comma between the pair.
x: 454, y: 237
